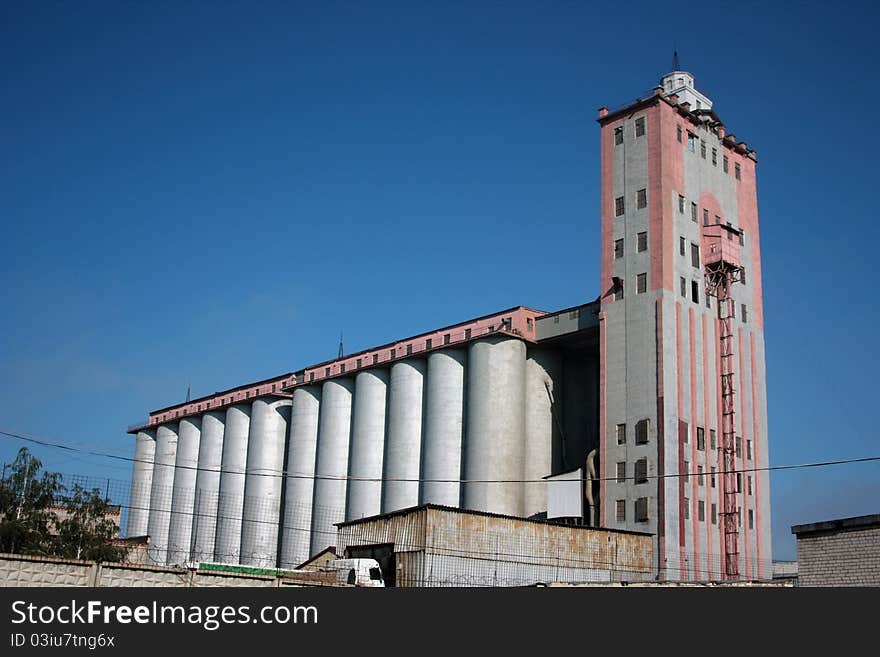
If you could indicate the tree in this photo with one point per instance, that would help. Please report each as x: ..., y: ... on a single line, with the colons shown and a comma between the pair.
x: 26, y: 495
x: 86, y: 532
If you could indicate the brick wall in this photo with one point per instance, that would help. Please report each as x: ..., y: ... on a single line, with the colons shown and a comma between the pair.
x: 840, y: 558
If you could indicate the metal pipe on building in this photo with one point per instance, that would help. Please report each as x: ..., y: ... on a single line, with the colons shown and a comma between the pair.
x: 208, y: 486
x: 161, y: 492
x: 444, y: 427
x: 543, y: 369
x: 227, y: 543
x: 141, y: 483
x: 296, y: 526
x: 495, y: 446
x: 367, y: 445
x: 265, y: 466
x: 404, y: 443
x: 331, y: 462
x: 184, y: 494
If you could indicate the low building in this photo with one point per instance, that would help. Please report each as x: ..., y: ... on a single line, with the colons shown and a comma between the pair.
x: 433, y: 545
x: 844, y: 552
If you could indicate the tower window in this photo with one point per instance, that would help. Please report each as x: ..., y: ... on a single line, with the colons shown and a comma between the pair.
x: 430, y: 343
x: 375, y: 359
x: 326, y: 371
x: 737, y: 171
x: 618, y: 249
x: 681, y: 245
x: 705, y: 217
x: 446, y: 338
x: 692, y: 142
x: 641, y: 432
x: 684, y: 289
x: 695, y: 255
x: 641, y: 283
x: 708, y: 301
x: 408, y: 349
x: 360, y: 363
x: 714, y: 157
x: 739, y: 447
x: 641, y: 508
x: 751, y: 519
x: 621, y: 434
x: 701, y: 511
x: 640, y: 126
x: 681, y: 203
x: 620, y: 510
x: 642, y: 242
x: 641, y: 471
x: 678, y: 133
x: 699, y: 475
x: 712, y: 442
x: 618, y: 290
x: 618, y: 206
x: 742, y: 276
x: 702, y: 149
x: 618, y: 136
x: 714, y: 514
x: 694, y: 212
x: 701, y: 438
x: 744, y: 313
x: 621, y: 472
x: 739, y: 482
x: 642, y: 198
x: 725, y: 163
x: 742, y: 238
x: 467, y: 334
x: 749, y: 482
x: 342, y: 368
x: 712, y: 476
x: 749, y: 449
x: 695, y: 292
x: 687, y: 509
x: 393, y: 354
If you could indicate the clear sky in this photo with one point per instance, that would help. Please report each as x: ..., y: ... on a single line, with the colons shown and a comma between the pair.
x: 206, y: 194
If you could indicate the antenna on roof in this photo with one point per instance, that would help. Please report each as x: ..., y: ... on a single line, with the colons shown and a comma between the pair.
x: 675, y: 60
x: 187, y: 392
x: 339, y: 355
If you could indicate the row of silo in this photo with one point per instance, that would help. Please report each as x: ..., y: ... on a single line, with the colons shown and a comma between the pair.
x: 470, y: 427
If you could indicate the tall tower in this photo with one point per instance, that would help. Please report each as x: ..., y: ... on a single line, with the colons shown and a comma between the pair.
x: 683, y: 411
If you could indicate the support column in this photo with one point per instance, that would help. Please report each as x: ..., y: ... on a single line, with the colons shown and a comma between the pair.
x: 141, y: 483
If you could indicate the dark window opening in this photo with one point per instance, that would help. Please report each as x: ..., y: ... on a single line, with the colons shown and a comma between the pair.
x: 642, y: 283
x: 618, y: 248
x: 618, y: 136
x: 618, y: 206
x: 695, y: 292
x: 642, y: 199
x: 642, y: 432
x: 642, y: 242
x: 640, y: 126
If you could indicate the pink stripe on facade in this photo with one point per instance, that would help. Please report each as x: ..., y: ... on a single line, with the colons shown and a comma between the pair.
x: 661, y: 461
x: 693, y: 483
x: 747, y: 210
x: 707, y: 423
x: 756, y: 440
x: 682, y: 540
x: 606, y: 204
x: 744, y: 422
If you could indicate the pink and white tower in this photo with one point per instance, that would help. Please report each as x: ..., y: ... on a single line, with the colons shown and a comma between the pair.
x: 683, y: 409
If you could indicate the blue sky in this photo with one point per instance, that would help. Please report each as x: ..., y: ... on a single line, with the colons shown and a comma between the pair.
x: 206, y: 194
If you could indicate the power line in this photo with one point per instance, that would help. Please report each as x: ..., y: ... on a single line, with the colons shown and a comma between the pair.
x: 296, y: 475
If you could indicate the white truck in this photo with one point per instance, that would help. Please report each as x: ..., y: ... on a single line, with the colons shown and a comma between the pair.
x: 357, y: 572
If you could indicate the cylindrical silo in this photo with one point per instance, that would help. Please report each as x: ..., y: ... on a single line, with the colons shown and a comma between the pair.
x: 208, y: 485
x: 262, y: 492
x: 404, y: 443
x: 183, y: 499
x: 495, y: 436
x: 367, y: 444
x: 296, y: 526
x: 543, y: 369
x: 227, y: 542
x: 160, y: 495
x: 141, y: 483
x: 331, y: 463
x: 444, y: 423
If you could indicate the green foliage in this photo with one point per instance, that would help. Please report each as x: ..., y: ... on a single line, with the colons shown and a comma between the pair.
x: 39, y: 516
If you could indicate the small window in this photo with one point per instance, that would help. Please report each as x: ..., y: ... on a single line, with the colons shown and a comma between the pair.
x: 641, y: 432
x: 618, y: 248
x: 739, y: 482
x: 681, y: 203
x: 714, y: 157
x: 687, y: 508
x: 695, y: 292
x: 642, y: 242
x: 446, y: 338
x: 429, y: 343
x: 621, y: 472
x: 749, y: 449
x: 694, y: 212
x: 641, y: 473
x: 744, y: 313
x: 699, y: 475
x: 701, y: 439
x: 621, y: 434
x: 360, y: 363
x: 467, y: 334
x: 618, y: 135
x: 708, y: 300
x: 737, y: 172
x: 408, y: 349
x: 641, y: 509
x: 749, y: 482
x: 375, y: 359
x: 640, y: 126
x: 692, y: 142
x: 712, y: 477
x: 742, y: 275
x: 684, y: 289
x: 530, y: 323
x: 311, y: 378
x: 678, y: 133
x: 393, y: 354
x: 342, y: 368
x: 702, y: 149
x: 618, y: 206
x: 725, y: 163
x: 705, y: 217
x: 682, y: 244
x: 620, y: 510
x: 751, y: 519
x: 686, y: 470
x: 701, y: 511
x: 712, y: 444
x: 739, y: 447
x: 742, y: 238
x: 326, y: 371
x: 618, y: 290
x: 642, y: 199
x: 695, y: 255
x: 376, y: 574
x: 641, y: 283
x: 714, y: 514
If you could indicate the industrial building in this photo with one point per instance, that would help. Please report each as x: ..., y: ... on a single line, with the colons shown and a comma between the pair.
x: 841, y: 552
x: 653, y: 395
